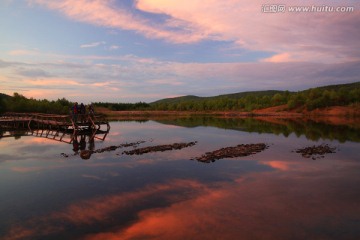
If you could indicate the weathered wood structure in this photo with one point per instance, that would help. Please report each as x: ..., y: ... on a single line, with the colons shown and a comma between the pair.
x: 78, y: 122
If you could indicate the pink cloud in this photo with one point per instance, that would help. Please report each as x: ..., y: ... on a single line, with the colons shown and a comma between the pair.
x: 46, y: 93
x: 137, y: 79
x: 244, y: 23
x: 100, y: 84
x: 52, y: 81
x: 239, y: 21
x: 172, y: 82
x: 282, y: 57
x: 103, y: 13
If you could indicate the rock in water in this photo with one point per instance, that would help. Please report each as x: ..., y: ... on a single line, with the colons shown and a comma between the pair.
x: 159, y: 148
x: 316, y: 152
x: 241, y: 150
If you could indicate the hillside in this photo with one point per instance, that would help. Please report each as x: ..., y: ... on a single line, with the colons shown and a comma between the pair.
x: 177, y: 99
x: 4, y: 96
x: 344, y: 87
x: 347, y: 86
x: 306, y: 100
x: 229, y: 96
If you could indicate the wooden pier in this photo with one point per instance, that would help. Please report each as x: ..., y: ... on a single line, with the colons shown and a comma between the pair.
x: 72, y: 123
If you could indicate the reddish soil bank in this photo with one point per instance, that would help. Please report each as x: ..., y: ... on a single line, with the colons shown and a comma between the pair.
x: 337, y: 115
x: 328, y: 111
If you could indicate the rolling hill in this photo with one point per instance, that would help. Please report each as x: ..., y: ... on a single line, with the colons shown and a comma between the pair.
x: 268, y: 93
x: 238, y: 95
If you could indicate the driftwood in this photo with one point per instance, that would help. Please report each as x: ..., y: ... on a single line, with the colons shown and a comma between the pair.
x: 241, y: 150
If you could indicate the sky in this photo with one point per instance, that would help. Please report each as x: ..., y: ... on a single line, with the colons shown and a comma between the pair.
x: 146, y: 50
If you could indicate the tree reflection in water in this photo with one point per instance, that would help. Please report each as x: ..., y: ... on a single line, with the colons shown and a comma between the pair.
x: 311, y: 128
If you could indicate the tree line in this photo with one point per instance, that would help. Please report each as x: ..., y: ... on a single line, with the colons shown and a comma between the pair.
x: 19, y: 103
x: 309, y: 99
x: 123, y: 106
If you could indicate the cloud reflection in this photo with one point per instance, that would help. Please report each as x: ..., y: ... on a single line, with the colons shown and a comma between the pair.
x: 268, y: 207
x: 280, y: 165
x: 101, y: 209
x: 273, y: 205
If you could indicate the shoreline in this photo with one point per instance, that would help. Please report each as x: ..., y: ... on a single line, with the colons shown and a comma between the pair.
x: 279, y: 111
x: 334, y: 115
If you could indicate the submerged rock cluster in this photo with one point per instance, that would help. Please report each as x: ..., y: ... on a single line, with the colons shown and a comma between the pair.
x: 159, y: 148
x: 113, y: 148
x: 241, y: 150
x: 316, y: 152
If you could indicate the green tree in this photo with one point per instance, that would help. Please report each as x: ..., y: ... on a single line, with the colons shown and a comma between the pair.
x: 296, y: 100
x: 278, y: 99
x: 2, y: 106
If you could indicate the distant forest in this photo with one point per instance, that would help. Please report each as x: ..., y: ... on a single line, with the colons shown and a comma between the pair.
x: 321, y: 97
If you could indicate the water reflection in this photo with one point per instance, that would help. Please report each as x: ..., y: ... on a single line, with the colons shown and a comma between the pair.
x: 15, y: 133
x: 274, y: 194
x: 83, y: 142
x: 311, y: 128
x: 79, y: 142
x: 265, y: 206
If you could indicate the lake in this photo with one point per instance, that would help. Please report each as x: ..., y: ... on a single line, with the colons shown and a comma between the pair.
x: 48, y: 191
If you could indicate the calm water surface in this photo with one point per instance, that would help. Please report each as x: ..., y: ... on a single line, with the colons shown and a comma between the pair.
x: 275, y: 194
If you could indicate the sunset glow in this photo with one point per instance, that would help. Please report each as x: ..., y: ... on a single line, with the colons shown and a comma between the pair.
x: 145, y: 50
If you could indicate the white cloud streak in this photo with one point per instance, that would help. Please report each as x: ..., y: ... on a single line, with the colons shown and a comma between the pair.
x: 91, y: 45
